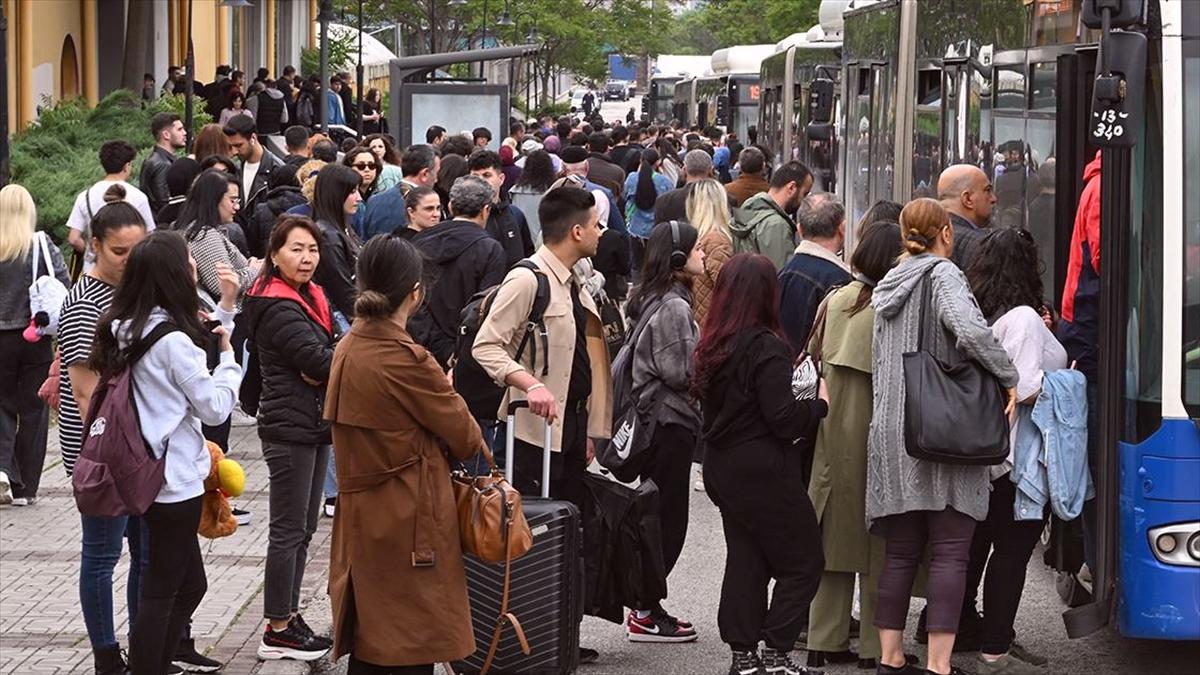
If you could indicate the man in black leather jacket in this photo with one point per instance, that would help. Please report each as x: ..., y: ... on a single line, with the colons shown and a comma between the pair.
x: 169, y: 137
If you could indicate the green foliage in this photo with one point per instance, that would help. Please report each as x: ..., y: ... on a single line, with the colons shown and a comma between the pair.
x: 57, y: 157
x: 341, y: 52
x: 726, y: 23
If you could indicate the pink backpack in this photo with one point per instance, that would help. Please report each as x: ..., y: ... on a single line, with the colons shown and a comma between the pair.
x: 116, y: 473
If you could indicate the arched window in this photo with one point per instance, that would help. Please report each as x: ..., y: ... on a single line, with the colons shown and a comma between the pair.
x: 68, y: 75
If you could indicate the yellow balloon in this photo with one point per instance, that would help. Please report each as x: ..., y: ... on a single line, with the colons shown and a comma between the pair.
x: 233, y: 478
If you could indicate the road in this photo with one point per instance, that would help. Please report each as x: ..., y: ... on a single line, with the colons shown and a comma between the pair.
x: 694, y: 593
x: 617, y: 110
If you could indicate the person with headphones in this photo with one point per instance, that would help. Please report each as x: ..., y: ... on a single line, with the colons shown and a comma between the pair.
x: 662, y: 375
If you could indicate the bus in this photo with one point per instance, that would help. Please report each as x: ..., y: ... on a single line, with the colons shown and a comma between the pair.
x: 659, y: 99
x: 1007, y: 85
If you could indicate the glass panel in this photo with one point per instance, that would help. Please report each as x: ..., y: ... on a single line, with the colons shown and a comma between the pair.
x: 1039, y: 191
x: 858, y: 144
x: 1010, y: 88
x: 926, y: 132
x: 954, y: 84
x: 1052, y: 21
x: 798, y: 116
x: 883, y: 121
x: 1045, y: 83
x: 1010, y: 174
x: 978, y: 114
x: 1191, y: 229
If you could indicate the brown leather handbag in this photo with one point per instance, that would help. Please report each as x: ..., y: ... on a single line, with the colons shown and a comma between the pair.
x: 492, y: 527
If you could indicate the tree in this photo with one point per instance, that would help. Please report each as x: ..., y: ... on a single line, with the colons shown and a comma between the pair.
x: 745, y: 22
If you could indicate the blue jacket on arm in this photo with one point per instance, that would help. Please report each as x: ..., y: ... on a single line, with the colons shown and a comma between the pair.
x: 1050, y: 463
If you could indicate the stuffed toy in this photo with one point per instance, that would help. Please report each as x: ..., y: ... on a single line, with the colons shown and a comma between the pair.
x: 225, y: 479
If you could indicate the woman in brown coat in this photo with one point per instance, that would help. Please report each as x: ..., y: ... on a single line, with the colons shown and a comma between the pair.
x: 708, y: 212
x: 396, y: 575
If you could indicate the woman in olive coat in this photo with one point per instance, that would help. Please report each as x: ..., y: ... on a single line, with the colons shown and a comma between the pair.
x: 839, y: 479
x: 396, y: 577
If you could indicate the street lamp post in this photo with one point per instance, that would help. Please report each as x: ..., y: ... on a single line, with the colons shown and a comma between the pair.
x: 324, y: 17
x: 359, y: 124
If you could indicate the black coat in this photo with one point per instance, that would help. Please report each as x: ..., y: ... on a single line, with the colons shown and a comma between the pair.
x: 751, y: 421
x: 507, y: 225
x: 335, y: 271
x: 266, y: 210
x: 463, y: 260
x: 288, y: 342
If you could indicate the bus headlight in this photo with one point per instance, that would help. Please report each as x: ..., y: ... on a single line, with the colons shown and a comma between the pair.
x: 1177, y: 544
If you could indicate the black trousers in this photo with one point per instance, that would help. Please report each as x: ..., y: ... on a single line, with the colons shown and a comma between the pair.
x: 1010, y: 544
x: 947, y: 533
x: 670, y: 467
x: 172, y: 588
x: 566, y: 467
x: 24, y: 419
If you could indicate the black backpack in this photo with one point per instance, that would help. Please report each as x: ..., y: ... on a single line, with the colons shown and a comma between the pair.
x: 481, y: 393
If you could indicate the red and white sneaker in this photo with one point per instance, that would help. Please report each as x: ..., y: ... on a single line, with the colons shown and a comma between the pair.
x: 657, y: 628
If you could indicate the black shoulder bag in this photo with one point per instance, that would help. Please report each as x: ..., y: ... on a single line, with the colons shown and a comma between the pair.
x: 953, y: 413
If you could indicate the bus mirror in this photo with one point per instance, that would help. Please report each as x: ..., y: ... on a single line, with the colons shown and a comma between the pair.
x: 820, y: 101
x: 817, y: 131
x: 1118, y: 98
x: 723, y: 110
x: 1123, y: 13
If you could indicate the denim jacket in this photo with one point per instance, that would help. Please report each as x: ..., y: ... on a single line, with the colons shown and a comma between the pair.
x: 1050, y: 464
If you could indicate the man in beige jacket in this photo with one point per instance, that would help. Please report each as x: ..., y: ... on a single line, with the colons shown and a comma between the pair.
x: 568, y: 383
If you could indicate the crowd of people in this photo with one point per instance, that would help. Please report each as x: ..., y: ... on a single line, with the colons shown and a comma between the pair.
x: 318, y: 295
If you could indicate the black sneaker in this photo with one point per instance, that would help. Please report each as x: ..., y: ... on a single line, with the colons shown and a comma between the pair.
x: 299, y: 622
x: 817, y: 658
x: 909, y: 668
x: 745, y: 663
x: 290, y: 643
x: 656, y: 628
x: 242, y: 516
x: 192, y: 661
x: 779, y: 662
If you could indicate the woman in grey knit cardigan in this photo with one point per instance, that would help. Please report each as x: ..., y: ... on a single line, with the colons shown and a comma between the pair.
x: 912, y: 502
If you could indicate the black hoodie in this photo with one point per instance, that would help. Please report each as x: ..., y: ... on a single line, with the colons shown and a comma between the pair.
x: 461, y: 259
x: 278, y: 200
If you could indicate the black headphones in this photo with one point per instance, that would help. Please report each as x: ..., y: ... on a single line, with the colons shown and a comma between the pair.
x: 678, y: 257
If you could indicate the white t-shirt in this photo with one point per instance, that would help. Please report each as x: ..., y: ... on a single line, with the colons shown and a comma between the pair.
x: 80, y: 219
x: 249, y: 171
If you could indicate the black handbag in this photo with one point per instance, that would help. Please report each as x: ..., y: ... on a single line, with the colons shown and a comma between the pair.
x: 953, y: 413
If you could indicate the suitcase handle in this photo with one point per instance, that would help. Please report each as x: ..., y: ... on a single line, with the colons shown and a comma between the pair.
x: 509, y: 441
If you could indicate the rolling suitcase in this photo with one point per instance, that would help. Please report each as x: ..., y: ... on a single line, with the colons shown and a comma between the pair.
x: 546, y: 587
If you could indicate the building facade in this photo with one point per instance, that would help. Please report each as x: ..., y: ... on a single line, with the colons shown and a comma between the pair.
x: 60, y: 49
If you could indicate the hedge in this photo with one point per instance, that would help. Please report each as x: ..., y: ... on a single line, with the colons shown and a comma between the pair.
x: 58, y: 156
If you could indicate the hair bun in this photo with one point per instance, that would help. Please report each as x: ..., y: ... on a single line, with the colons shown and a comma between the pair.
x: 373, y: 305
x: 114, y: 193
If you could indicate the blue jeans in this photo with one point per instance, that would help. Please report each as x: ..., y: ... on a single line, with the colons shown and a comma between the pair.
x: 102, y: 541
x: 330, y: 476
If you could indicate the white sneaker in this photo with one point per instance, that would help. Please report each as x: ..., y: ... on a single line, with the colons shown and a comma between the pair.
x: 329, y: 507
x: 6, y: 496
x: 242, y: 516
x: 22, y: 501
x: 240, y: 419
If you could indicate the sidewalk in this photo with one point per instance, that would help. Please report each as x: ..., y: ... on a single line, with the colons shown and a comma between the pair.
x: 41, y: 624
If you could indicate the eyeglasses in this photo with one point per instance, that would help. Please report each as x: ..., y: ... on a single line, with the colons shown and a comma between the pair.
x: 363, y: 166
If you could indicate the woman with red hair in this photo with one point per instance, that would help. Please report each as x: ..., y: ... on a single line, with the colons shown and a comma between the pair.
x: 752, y: 467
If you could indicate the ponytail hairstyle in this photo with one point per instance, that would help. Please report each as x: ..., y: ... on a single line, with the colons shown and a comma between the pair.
x: 389, y: 268
x: 646, y: 193
x: 921, y: 221
x: 115, y: 214
x: 876, y: 253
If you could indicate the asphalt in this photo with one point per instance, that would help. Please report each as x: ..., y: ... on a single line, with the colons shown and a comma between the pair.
x: 695, y: 584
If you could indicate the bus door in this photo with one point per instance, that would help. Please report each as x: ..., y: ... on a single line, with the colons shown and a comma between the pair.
x: 866, y: 169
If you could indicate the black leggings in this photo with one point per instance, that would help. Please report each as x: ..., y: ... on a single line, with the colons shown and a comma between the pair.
x: 172, y: 588
x: 1010, y: 543
x: 363, y: 668
x: 948, y: 534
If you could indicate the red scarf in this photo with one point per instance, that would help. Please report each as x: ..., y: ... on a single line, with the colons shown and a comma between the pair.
x: 317, y: 309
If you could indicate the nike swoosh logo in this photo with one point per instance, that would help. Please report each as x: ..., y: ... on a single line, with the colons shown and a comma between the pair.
x: 652, y: 628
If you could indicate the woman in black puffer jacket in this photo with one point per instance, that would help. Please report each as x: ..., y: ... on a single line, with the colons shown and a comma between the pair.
x: 291, y: 327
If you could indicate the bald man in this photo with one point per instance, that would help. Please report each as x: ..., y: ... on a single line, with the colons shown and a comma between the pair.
x: 966, y: 193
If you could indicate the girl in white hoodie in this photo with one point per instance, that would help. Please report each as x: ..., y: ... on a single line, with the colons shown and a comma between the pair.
x: 175, y: 393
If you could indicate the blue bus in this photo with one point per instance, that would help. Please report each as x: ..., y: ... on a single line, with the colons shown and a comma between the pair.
x: 1008, y: 85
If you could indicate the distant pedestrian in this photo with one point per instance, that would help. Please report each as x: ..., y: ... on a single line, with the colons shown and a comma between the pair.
x: 116, y: 158
x: 399, y: 603
x: 235, y: 107
x: 751, y: 468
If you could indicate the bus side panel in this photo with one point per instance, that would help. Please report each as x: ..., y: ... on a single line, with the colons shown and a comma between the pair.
x: 1156, y: 600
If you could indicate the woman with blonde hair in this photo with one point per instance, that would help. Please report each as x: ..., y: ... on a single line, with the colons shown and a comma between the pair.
x: 708, y: 212
x: 24, y: 421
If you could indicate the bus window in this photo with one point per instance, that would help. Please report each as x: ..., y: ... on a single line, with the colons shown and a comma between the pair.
x: 1052, y: 22
x: 858, y: 143
x: 1011, y: 172
x: 1045, y: 82
x: 1191, y: 230
x: 883, y: 166
x: 926, y: 132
